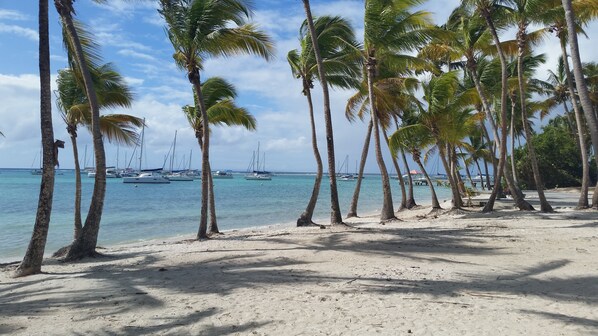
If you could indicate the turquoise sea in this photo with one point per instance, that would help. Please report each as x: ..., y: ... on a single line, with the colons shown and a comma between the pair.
x: 141, y: 212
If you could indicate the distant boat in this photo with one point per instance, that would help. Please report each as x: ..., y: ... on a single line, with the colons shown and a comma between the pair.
x: 152, y: 177
x: 253, y: 171
x: 222, y: 175
x: 148, y: 176
x: 346, y: 176
x: 172, y: 175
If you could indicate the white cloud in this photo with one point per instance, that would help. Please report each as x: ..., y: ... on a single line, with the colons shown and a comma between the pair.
x: 20, y: 31
x: 135, y: 54
x: 8, y: 14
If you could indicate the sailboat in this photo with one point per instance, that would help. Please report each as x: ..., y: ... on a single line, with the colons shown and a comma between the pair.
x: 253, y: 171
x: 37, y: 171
x: 148, y: 176
x: 346, y: 176
x: 176, y: 176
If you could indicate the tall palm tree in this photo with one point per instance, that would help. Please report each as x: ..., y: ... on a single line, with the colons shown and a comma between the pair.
x: 488, y: 10
x: 335, y: 214
x: 202, y: 29
x: 523, y: 13
x: 580, y: 83
x: 391, y: 29
x: 340, y: 59
x: 219, y: 98
x: 112, y: 91
x: 557, y: 21
x: 32, y: 261
x: 86, y: 243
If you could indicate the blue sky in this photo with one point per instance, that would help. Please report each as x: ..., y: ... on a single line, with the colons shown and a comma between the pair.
x: 132, y: 36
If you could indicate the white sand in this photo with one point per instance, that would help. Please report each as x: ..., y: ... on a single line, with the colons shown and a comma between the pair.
x: 506, y: 273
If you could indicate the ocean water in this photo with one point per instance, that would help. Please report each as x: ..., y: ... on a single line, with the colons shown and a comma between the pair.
x: 141, y: 212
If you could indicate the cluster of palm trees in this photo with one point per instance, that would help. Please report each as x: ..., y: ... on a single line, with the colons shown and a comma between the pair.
x: 457, y: 89
x: 426, y: 89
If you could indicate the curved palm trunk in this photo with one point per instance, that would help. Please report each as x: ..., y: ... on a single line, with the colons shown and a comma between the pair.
x: 500, y: 140
x: 467, y: 172
x: 364, y: 156
x: 306, y: 217
x: 387, y: 212
x: 398, y: 169
x: 335, y: 215
x: 457, y: 203
x: 78, y: 225
x: 86, y: 243
x: 417, y: 159
x: 544, y: 205
x: 513, y: 168
x: 492, y: 157
x: 480, y: 173
x: 582, y: 89
x: 410, y: 199
x: 32, y: 261
x: 582, y: 203
x: 213, y: 227
x: 194, y: 79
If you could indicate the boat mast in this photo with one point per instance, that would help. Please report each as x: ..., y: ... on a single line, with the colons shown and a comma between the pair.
x: 141, y: 147
x: 173, y: 149
x: 190, y: 155
x: 258, y: 156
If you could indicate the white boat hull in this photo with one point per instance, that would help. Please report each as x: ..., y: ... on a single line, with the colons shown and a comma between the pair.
x: 147, y: 178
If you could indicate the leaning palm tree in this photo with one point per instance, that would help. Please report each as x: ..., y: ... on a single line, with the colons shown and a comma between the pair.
x: 32, y: 261
x: 219, y: 98
x: 391, y: 30
x: 85, y: 244
x: 557, y: 20
x: 340, y: 59
x: 199, y: 30
x: 112, y: 91
x: 335, y: 213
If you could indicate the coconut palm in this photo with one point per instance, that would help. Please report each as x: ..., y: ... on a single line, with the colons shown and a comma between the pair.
x: 85, y: 244
x: 392, y: 29
x: 32, y: 261
x: 219, y: 98
x: 112, y: 91
x: 199, y: 30
x: 340, y: 58
x: 580, y: 83
x: 335, y: 214
x: 556, y: 19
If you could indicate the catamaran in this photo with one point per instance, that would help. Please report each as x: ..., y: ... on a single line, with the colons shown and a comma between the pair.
x: 176, y: 176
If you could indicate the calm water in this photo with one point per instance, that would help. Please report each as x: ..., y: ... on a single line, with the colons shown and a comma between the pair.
x: 133, y: 213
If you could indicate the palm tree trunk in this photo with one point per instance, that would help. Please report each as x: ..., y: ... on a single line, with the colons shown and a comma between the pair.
x: 335, y: 215
x: 213, y: 227
x: 194, y: 79
x: 387, y: 212
x: 86, y: 243
x: 410, y: 199
x: 572, y: 124
x: 435, y: 203
x: 306, y: 217
x: 364, y: 156
x: 457, y: 203
x: 78, y: 225
x: 544, y: 205
x: 582, y: 89
x: 501, y: 140
x: 480, y: 173
x: 467, y: 172
x: 513, y: 169
x: 398, y: 169
x: 32, y: 261
x: 492, y: 156
x: 582, y: 203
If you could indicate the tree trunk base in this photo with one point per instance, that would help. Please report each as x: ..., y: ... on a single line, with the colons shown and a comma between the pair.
x: 546, y: 208
x: 352, y: 215
x: 411, y: 203
x: 525, y: 206
x: 23, y: 272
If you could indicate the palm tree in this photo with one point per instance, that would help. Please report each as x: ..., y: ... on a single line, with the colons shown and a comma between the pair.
x: 557, y: 21
x: 337, y: 45
x: 202, y: 29
x: 582, y: 89
x: 335, y: 214
x: 488, y: 10
x: 219, y: 98
x: 32, y: 261
x: 85, y: 244
x: 391, y: 29
x: 112, y: 91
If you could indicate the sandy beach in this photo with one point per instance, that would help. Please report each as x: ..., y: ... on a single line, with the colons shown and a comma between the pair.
x: 467, y: 273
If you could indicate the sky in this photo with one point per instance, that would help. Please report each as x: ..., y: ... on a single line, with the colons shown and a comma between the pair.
x: 132, y: 36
